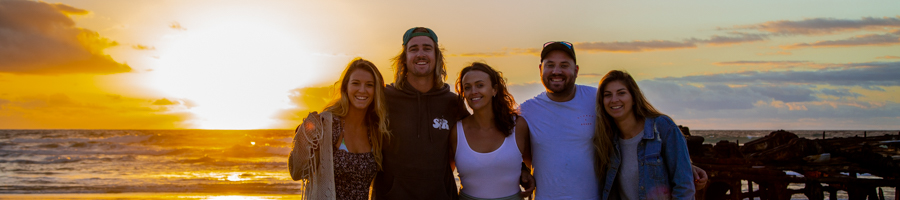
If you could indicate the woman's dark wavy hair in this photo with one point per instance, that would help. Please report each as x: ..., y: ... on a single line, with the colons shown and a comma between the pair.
x: 503, y: 104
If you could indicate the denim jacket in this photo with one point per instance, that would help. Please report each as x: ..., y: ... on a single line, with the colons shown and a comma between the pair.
x: 665, y: 166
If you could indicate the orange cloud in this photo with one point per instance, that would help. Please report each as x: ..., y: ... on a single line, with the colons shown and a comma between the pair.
x: 164, y: 102
x: 775, y: 53
x: 142, y: 47
x: 491, y: 54
x: 504, y: 52
x: 818, y: 26
x: 177, y: 26
x: 768, y: 65
x: 41, y: 38
x: 729, y: 40
x: 775, y: 63
x: 861, y: 40
x: 305, y: 100
x: 888, y: 57
x: 634, y: 46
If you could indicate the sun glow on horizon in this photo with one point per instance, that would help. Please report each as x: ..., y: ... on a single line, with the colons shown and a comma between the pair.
x: 236, y: 72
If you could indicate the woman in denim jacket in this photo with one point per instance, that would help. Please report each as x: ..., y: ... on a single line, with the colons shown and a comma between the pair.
x: 646, y: 154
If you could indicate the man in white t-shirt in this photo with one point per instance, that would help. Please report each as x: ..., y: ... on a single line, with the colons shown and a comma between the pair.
x: 561, y: 122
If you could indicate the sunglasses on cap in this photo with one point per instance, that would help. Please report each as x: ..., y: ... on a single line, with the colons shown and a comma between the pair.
x: 567, y: 44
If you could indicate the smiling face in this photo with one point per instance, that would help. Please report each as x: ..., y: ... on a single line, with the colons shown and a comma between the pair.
x: 420, y: 56
x: 617, y: 101
x: 558, y: 73
x: 478, y: 89
x: 361, y: 89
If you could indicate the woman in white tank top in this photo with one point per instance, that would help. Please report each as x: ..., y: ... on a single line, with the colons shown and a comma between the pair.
x: 488, y: 147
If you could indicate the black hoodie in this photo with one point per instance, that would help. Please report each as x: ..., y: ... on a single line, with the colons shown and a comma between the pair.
x: 416, y: 158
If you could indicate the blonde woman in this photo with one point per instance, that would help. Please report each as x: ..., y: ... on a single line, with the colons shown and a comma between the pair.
x: 337, y: 153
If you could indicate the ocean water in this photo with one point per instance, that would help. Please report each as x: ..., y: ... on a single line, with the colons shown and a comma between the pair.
x: 164, y: 162
x: 118, y: 161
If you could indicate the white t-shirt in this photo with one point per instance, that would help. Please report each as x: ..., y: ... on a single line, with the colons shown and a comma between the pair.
x: 562, y: 149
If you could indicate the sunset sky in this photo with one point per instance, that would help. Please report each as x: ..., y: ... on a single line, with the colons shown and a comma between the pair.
x: 157, y: 64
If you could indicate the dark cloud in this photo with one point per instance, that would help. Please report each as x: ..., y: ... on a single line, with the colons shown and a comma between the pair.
x: 757, y: 63
x: 504, y: 52
x: 780, y: 64
x: 760, y: 102
x: 652, y: 45
x: 634, y: 46
x: 142, y: 47
x: 41, y: 38
x: 840, y: 92
x: 869, y: 75
x: 735, y: 38
x: 783, y: 96
x: 677, y: 97
x: 817, y: 26
x: 789, y: 93
x: 716, y: 96
x: 862, y: 40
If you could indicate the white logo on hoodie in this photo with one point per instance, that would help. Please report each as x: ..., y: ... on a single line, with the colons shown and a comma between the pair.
x: 440, y: 124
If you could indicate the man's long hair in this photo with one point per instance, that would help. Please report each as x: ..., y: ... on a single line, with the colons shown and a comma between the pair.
x: 401, y: 70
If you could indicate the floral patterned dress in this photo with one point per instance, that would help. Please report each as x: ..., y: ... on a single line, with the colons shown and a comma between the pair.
x: 353, y: 172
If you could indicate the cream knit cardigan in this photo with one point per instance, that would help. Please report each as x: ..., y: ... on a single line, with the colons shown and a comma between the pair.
x: 311, y: 159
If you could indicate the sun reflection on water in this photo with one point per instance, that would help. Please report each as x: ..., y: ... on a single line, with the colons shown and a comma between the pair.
x: 237, y: 176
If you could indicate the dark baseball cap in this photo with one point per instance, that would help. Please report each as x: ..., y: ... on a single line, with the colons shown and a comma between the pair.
x: 558, y: 45
x: 409, y: 34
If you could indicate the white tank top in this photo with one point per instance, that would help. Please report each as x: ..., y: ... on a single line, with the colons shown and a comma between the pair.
x: 488, y: 175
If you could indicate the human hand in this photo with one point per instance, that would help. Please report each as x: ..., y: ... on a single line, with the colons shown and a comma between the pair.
x: 700, y: 178
x: 527, y: 182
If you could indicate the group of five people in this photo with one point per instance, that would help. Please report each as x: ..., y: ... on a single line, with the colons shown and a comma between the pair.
x: 403, y: 140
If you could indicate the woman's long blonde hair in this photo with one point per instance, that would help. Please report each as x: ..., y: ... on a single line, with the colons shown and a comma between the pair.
x: 607, y: 129
x: 376, y: 118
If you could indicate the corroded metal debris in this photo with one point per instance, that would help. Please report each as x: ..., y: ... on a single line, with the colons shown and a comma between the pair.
x: 822, y: 166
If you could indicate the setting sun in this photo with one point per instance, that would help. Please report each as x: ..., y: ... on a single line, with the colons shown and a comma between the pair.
x: 233, y: 73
